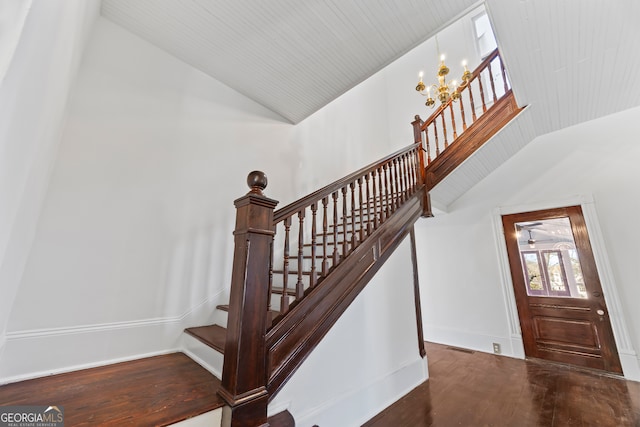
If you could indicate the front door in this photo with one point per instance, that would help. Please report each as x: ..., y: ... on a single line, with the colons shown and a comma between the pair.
x: 562, y: 311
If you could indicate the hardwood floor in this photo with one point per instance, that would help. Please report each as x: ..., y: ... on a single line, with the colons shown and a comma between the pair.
x: 479, y: 389
x: 464, y: 389
x: 154, y: 391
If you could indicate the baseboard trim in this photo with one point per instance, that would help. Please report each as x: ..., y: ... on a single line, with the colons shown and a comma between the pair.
x: 32, y: 375
x: 375, y: 395
x: 36, y: 353
x: 511, y: 345
x: 630, y: 362
x: 208, y: 419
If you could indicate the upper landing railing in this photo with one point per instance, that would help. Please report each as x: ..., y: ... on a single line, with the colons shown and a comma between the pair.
x: 488, y: 84
x: 486, y: 104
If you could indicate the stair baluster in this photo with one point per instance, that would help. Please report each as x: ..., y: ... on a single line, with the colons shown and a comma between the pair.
x: 485, y: 121
x: 312, y: 279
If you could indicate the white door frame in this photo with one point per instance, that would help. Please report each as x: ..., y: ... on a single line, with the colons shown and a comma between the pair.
x: 628, y: 356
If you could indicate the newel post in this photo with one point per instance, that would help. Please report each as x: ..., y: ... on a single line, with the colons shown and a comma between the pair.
x: 417, y: 137
x: 244, y: 374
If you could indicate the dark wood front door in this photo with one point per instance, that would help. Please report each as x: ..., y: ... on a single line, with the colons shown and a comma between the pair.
x: 562, y: 311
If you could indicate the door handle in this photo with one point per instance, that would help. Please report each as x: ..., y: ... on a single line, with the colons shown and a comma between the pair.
x: 600, y: 312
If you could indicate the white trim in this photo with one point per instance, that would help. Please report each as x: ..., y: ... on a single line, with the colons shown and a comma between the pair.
x: 505, y: 275
x: 31, y: 375
x: 113, y: 326
x: 21, y: 357
x: 110, y: 326
x: 511, y: 346
x: 607, y: 280
x: 208, y: 419
x: 378, y: 393
x: 628, y: 357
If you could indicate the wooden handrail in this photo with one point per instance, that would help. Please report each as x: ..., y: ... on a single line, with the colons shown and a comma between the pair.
x: 366, y: 214
x: 316, y: 233
x: 294, y: 207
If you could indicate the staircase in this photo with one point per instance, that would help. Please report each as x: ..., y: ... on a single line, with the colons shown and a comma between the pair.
x: 302, y: 265
x: 297, y: 269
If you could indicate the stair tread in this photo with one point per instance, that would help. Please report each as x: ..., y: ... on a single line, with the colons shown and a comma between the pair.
x: 225, y: 307
x: 212, y: 335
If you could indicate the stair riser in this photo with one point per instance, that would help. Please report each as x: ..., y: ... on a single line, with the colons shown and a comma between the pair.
x: 206, y: 356
x: 220, y: 317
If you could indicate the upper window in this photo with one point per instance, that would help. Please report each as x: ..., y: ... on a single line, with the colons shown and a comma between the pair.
x: 485, y: 39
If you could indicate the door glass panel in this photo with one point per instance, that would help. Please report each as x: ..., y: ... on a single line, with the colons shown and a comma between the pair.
x: 532, y: 269
x: 550, y: 259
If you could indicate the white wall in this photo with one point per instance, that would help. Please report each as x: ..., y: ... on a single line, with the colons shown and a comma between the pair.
x: 135, y: 237
x: 40, y: 56
x: 134, y: 241
x: 368, y: 360
x: 466, y: 299
x: 363, y: 125
x: 374, y: 119
x: 12, y: 17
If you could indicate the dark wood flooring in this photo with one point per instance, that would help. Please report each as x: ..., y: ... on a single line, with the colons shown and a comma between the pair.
x: 479, y: 389
x: 155, y: 391
x: 464, y: 389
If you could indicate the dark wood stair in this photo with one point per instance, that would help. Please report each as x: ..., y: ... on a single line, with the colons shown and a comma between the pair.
x: 212, y: 335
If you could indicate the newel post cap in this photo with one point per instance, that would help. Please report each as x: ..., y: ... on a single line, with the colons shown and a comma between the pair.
x: 257, y: 181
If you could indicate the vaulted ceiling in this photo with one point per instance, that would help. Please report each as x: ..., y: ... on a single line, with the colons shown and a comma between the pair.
x: 577, y: 58
x: 569, y: 61
x: 291, y: 56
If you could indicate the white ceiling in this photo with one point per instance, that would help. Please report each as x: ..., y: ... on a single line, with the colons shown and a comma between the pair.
x: 291, y: 56
x: 577, y: 58
x: 569, y: 61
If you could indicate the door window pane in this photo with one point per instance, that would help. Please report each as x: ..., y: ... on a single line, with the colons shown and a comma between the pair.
x: 533, y: 275
x: 550, y: 260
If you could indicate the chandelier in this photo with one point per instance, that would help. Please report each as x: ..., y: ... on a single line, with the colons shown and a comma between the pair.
x: 443, y: 90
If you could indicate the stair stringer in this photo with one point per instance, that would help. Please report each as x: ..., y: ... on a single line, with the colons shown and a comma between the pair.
x: 499, y: 148
x: 295, y: 336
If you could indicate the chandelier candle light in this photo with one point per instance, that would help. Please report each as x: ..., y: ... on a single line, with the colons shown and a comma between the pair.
x: 444, y: 90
